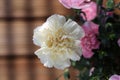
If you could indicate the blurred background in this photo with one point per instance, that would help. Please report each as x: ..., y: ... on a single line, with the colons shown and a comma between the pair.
x: 18, y: 18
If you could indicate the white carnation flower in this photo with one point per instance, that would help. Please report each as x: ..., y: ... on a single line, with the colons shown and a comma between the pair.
x: 59, y: 41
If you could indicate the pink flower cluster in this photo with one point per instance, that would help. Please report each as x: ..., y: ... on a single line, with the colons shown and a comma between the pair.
x: 89, y: 41
x: 87, y: 6
x: 115, y: 77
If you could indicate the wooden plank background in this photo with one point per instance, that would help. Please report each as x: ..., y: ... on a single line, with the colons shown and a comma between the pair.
x: 18, y: 18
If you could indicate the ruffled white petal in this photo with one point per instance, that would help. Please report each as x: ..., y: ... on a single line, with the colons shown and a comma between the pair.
x: 74, y: 56
x: 37, y: 36
x: 59, y: 42
x: 56, y: 21
x: 78, y: 51
x: 77, y: 33
x: 44, y: 57
x: 73, y: 29
x: 62, y: 64
x: 70, y: 26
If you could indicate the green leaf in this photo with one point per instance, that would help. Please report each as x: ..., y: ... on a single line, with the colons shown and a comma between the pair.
x: 112, y: 36
x: 99, y: 2
x: 110, y: 4
x: 84, y: 74
x: 81, y: 64
x: 95, y: 78
x: 66, y: 74
x: 73, y: 63
x: 108, y: 24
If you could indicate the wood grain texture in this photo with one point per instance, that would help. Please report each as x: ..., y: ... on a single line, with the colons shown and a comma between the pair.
x: 31, y: 8
x: 18, y: 18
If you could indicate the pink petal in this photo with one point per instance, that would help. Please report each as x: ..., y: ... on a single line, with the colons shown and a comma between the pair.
x: 66, y: 3
x: 90, y: 27
x: 76, y: 3
x: 87, y: 54
x: 90, y: 9
x: 115, y: 77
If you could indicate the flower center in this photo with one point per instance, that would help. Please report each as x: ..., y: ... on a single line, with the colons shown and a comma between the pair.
x: 59, y: 39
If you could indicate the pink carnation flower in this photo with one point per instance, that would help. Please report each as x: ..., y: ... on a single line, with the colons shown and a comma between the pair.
x: 89, y: 41
x: 90, y: 11
x: 115, y: 77
x: 89, y: 8
x: 72, y: 3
